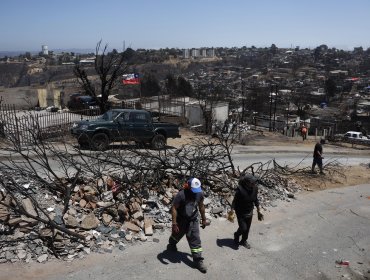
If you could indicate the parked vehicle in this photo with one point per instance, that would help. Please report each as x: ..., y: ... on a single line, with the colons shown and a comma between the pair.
x: 79, y: 102
x: 354, y: 135
x: 124, y: 125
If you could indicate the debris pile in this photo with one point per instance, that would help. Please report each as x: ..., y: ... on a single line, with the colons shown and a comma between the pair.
x: 102, y: 214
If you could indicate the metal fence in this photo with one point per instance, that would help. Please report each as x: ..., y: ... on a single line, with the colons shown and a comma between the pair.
x: 25, y: 127
x: 161, y: 106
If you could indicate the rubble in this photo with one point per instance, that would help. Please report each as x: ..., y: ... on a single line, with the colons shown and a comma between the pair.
x: 106, y: 214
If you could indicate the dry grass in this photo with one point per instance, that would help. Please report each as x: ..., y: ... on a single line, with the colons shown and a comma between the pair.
x: 344, y: 176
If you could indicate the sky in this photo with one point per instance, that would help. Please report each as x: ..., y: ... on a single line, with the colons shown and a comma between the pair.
x: 25, y: 25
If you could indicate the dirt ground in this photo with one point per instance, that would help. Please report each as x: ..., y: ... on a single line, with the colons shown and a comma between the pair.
x: 347, y: 176
x: 335, y: 177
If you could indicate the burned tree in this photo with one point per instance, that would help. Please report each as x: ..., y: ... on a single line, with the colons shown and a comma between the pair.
x: 209, y: 95
x: 109, y: 67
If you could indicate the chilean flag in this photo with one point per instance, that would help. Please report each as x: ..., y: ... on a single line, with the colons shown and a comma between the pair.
x: 131, y: 79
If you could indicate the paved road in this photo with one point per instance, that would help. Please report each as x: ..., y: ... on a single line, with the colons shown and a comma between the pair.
x: 294, y: 155
x: 301, y: 239
x: 291, y: 155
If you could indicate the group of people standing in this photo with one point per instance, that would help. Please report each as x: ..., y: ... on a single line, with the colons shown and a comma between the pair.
x: 188, y: 203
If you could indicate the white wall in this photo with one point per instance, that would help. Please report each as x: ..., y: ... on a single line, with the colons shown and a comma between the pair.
x: 194, y: 114
x: 221, y: 112
x: 193, y: 111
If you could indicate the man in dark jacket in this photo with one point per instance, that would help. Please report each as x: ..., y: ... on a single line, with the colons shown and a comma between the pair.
x: 185, y: 220
x: 244, y: 201
x: 317, y: 158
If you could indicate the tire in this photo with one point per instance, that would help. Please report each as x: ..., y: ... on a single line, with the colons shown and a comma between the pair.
x: 140, y: 144
x: 84, y: 145
x: 84, y: 141
x: 100, y: 141
x: 158, y: 142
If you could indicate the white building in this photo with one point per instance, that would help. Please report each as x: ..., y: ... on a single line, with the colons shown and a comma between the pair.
x: 211, y: 52
x: 185, y: 53
x: 195, y: 53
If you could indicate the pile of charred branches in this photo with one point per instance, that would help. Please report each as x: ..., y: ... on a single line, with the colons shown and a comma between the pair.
x: 115, y: 184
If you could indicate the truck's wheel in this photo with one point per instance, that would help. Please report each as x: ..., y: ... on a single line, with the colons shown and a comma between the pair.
x: 83, y: 145
x: 100, y: 141
x: 140, y: 144
x: 158, y: 142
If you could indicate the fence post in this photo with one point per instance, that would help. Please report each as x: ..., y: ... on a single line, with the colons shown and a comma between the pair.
x: 17, y: 136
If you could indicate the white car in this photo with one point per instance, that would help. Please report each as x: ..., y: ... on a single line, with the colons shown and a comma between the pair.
x: 355, y: 135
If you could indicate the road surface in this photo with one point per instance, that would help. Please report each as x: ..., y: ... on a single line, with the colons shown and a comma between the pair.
x: 301, y: 239
x: 296, y: 155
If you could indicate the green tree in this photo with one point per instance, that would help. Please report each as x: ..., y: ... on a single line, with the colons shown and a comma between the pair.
x: 129, y: 54
x: 330, y: 87
x: 171, y: 85
x: 184, y: 88
x: 317, y: 53
x: 273, y: 49
x: 149, y: 85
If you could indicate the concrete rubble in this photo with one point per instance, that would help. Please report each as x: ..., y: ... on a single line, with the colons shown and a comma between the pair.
x: 109, y: 215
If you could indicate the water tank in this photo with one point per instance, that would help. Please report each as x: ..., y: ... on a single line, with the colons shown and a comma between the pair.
x: 45, y: 50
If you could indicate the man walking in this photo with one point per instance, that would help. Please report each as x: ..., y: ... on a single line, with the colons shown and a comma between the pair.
x: 304, y: 132
x: 317, y: 158
x: 244, y: 201
x: 185, y: 220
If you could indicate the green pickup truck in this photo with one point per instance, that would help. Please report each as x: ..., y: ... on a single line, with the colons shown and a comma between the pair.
x: 124, y: 125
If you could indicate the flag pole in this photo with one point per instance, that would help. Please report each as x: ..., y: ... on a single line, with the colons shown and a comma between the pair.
x: 140, y: 90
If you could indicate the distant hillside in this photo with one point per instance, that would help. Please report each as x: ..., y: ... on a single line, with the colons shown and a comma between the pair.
x: 16, y: 53
x: 77, y: 51
x: 13, y: 53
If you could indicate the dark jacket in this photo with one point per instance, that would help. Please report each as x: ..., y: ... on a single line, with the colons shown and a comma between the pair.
x: 245, y: 199
x: 317, y: 152
x: 187, y: 203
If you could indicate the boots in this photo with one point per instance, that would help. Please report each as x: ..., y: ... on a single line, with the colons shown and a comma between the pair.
x: 236, y: 238
x: 172, y: 247
x: 245, y: 244
x: 200, y: 265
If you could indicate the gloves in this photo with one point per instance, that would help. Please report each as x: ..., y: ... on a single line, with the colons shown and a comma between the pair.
x: 260, y: 216
x: 175, y: 229
x: 205, y: 223
x: 231, y: 216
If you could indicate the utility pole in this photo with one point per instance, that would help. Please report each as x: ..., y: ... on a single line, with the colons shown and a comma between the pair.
x: 276, y: 96
x: 243, y: 98
x: 159, y: 105
x: 270, y: 125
